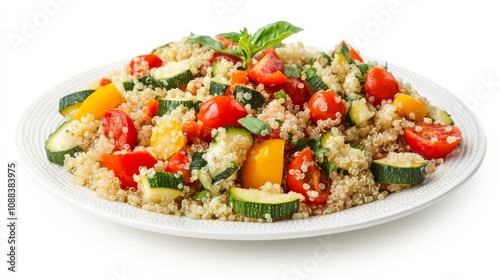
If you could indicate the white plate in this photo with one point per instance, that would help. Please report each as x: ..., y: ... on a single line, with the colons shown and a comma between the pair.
x: 42, y: 118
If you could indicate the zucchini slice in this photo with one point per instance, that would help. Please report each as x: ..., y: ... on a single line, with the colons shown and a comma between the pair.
x: 168, y: 104
x: 146, y: 81
x: 246, y: 96
x: 173, y: 75
x: 217, y: 88
x: 437, y: 114
x: 314, y: 80
x: 158, y: 186
x: 73, y: 101
x: 223, y: 158
x: 395, y: 170
x: 255, y: 203
x: 57, y: 145
x: 359, y: 112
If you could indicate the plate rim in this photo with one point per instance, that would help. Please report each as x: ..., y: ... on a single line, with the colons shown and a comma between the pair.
x: 253, y: 231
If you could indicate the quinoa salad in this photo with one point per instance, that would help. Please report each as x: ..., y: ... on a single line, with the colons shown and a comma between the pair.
x: 241, y: 126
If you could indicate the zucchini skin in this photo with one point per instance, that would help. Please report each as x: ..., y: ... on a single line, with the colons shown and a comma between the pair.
x: 254, y: 208
x: 54, y: 152
x: 392, y: 174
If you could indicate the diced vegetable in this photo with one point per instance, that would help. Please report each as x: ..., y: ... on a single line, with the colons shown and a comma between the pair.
x: 359, y: 112
x: 217, y: 88
x: 264, y: 163
x: 432, y: 140
x: 380, y: 85
x: 58, y: 144
x: 255, y: 203
x: 125, y: 166
x: 246, y: 96
x: 404, y: 171
x: 221, y: 111
x: 439, y: 115
x: 173, y: 75
x: 101, y: 100
x: 410, y: 107
x: 160, y: 186
x: 73, y: 101
x: 326, y: 104
x: 315, y: 81
x: 119, y: 126
x: 305, y: 177
x: 167, y: 139
x: 168, y: 104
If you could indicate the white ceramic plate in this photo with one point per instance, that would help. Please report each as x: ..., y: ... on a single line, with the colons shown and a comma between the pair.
x: 42, y: 118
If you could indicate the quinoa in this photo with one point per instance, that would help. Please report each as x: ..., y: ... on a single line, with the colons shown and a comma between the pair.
x: 351, y: 148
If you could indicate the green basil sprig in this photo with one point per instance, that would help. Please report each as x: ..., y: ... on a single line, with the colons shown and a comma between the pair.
x: 270, y: 35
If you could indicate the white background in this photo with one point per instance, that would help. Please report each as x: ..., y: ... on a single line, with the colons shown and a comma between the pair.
x: 455, y: 45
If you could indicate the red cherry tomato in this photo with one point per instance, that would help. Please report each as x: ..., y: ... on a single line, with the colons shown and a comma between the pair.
x: 218, y: 56
x: 326, y: 105
x: 140, y: 65
x: 120, y: 127
x: 197, y: 132
x: 126, y: 165
x: 221, y: 111
x: 432, y: 140
x: 295, y: 88
x: 313, y: 184
x: 268, y: 70
x: 179, y: 163
x: 380, y: 85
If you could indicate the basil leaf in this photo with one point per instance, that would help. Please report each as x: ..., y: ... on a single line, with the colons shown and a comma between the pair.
x: 231, y: 36
x: 255, y: 125
x: 272, y: 34
x: 280, y: 122
x: 212, y: 43
x: 245, y: 45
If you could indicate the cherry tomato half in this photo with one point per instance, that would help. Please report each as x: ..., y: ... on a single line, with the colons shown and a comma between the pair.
x: 268, y: 70
x: 325, y: 105
x: 432, y: 140
x: 140, y: 65
x: 126, y: 165
x: 380, y: 85
x: 313, y: 184
x: 120, y: 127
x: 221, y: 111
x: 179, y: 163
x: 295, y: 88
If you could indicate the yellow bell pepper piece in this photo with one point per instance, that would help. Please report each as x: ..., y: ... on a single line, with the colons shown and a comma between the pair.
x: 167, y: 139
x: 101, y: 100
x: 264, y: 163
x: 410, y: 107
